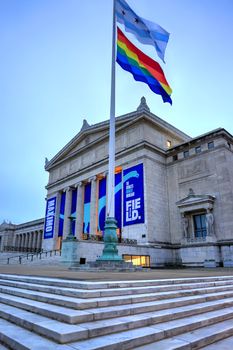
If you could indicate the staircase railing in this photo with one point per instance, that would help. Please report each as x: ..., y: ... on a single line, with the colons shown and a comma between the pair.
x: 37, y: 255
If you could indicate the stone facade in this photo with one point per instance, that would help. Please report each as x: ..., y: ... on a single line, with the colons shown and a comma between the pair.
x: 188, y: 191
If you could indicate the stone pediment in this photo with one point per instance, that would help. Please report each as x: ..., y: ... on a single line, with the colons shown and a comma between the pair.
x: 195, y: 201
x: 89, y: 135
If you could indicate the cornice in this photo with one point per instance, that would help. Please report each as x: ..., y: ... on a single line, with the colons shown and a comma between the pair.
x: 220, y: 132
x: 122, y: 122
x: 104, y: 162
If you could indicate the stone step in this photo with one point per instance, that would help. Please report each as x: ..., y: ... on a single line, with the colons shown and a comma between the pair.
x: 182, y: 314
x: 225, y: 344
x: 72, y: 316
x: 193, y: 339
x: 197, y: 339
x: 18, y: 338
x: 59, y: 313
x: 104, y: 327
x: 63, y: 333
x: 58, y: 331
x: 110, y: 284
x: 82, y: 304
x: 81, y: 293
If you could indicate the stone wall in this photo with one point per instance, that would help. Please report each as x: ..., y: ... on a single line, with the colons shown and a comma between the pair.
x: 90, y: 251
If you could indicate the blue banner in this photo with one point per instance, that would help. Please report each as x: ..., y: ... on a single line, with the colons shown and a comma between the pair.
x: 87, y: 209
x: 49, y: 218
x: 133, y: 195
x: 61, y: 214
x: 73, y: 209
x: 101, y: 204
x: 118, y: 199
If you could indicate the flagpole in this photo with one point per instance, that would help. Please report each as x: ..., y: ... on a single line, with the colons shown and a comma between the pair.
x: 110, y: 251
x: 111, y: 165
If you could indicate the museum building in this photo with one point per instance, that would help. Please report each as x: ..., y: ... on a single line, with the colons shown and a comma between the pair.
x: 173, y: 193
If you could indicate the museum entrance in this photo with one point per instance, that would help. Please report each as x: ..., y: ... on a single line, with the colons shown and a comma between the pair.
x: 138, y: 260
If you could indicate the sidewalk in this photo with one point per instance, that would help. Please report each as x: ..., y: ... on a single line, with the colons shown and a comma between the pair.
x: 64, y: 272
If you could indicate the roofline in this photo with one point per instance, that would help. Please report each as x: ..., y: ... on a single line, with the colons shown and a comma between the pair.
x: 119, y: 119
x: 202, y: 136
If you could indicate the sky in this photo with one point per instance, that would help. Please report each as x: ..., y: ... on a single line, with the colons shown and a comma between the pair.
x: 55, y: 65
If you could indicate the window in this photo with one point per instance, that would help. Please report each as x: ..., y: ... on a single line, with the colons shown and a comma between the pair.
x: 199, y: 225
x: 198, y: 149
x: 138, y: 260
x: 211, y: 145
x: 169, y: 143
x: 175, y: 157
x: 186, y: 154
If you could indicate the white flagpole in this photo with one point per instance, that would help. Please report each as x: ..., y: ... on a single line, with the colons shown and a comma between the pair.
x: 111, y: 165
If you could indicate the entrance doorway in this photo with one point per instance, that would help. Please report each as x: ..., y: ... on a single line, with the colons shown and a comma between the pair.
x: 138, y: 260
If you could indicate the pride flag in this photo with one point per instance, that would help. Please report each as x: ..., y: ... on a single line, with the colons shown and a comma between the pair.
x: 142, y: 67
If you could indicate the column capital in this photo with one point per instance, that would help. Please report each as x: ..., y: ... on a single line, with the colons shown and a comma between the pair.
x: 67, y: 189
x: 93, y: 178
x: 79, y: 184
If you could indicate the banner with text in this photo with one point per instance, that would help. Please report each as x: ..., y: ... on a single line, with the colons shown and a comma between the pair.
x: 101, y: 205
x: 87, y: 209
x: 133, y: 191
x: 61, y: 214
x: 73, y: 209
x: 50, y: 218
x: 118, y: 199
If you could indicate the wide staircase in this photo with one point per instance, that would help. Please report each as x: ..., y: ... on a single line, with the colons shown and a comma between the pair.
x: 49, y: 313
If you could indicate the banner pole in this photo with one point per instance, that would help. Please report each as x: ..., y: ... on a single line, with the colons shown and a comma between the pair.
x: 111, y: 165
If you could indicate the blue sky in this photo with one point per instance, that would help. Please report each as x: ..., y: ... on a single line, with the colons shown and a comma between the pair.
x: 55, y: 63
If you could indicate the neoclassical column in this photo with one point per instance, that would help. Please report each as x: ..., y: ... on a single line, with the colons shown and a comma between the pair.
x: 66, y: 227
x: 40, y: 241
x: 57, y: 213
x: 38, y: 244
x: 14, y: 242
x: 93, y: 208
x: 30, y: 241
x: 33, y: 241
x: 36, y: 240
x: 19, y: 242
x: 24, y: 241
x: 79, y: 210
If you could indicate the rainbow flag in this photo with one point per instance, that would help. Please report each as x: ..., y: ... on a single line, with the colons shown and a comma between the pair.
x: 142, y: 67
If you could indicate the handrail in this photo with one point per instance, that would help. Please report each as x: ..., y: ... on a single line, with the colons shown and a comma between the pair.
x: 40, y: 254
